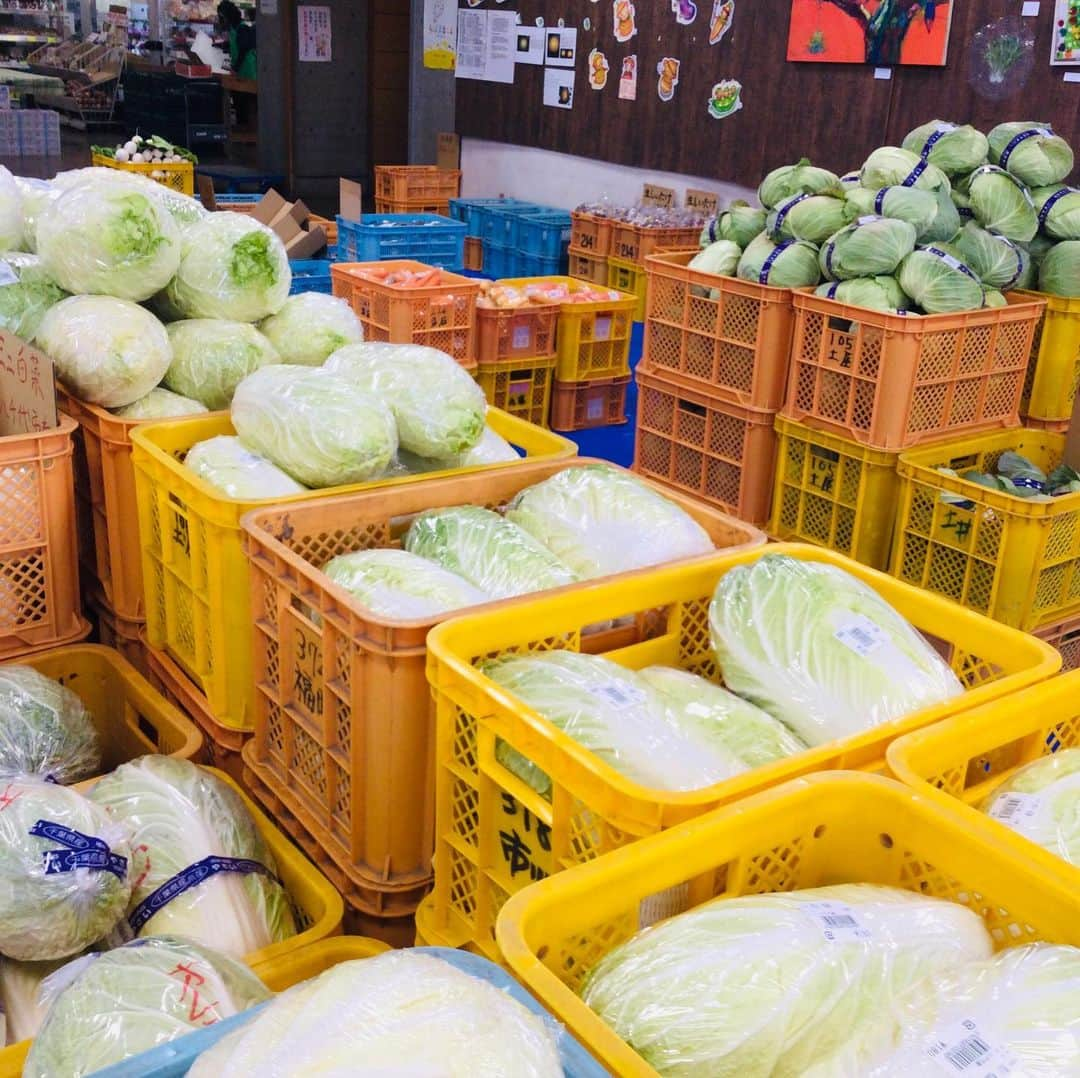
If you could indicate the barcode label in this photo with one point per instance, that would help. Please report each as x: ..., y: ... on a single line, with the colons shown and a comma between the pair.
x: 1015, y: 809
x: 965, y: 1049
x: 838, y: 921
x: 861, y: 635
x: 618, y: 694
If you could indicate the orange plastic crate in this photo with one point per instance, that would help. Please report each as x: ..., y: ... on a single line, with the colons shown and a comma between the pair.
x: 516, y: 333
x: 521, y: 387
x: 1065, y: 637
x: 474, y: 254
x: 600, y: 402
x: 39, y: 574
x: 723, y: 453
x: 586, y: 266
x: 119, y: 633
x: 386, y: 205
x: 891, y: 381
x: 591, y: 235
x: 727, y: 337
x: 632, y: 243
x: 441, y: 316
x: 413, y: 183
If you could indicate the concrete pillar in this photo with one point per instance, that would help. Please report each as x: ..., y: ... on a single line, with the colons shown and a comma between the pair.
x: 431, y: 96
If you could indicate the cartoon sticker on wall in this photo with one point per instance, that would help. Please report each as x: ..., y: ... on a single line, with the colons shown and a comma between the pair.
x: 685, y: 11
x: 628, y: 79
x: 726, y: 99
x: 598, y: 69
x: 625, y: 20
x: 723, y: 12
x: 668, y: 70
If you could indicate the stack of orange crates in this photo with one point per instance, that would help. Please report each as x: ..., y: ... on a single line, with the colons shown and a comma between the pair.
x: 415, y: 189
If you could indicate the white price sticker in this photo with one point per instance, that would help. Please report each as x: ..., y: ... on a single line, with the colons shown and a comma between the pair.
x: 615, y: 692
x: 861, y: 635
x: 1015, y: 810
x: 602, y: 329
x: 838, y: 921
x: 964, y: 1049
x: 522, y: 337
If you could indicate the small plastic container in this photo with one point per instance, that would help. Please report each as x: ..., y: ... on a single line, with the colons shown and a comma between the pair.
x: 310, y: 275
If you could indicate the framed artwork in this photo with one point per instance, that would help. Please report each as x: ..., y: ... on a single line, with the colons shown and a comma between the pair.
x: 1065, y: 39
x: 884, y: 33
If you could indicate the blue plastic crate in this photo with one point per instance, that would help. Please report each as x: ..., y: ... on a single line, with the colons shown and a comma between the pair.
x: 470, y: 210
x: 530, y: 265
x: 310, y: 275
x: 498, y: 224
x: 545, y: 234
x: 425, y: 237
x: 175, y: 1059
x: 501, y: 261
x: 248, y: 198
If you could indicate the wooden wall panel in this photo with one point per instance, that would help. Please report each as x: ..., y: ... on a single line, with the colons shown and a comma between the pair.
x: 832, y: 113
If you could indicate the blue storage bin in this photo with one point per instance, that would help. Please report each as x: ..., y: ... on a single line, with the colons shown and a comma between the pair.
x: 500, y: 261
x: 530, y: 265
x: 237, y: 198
x: 498, y: 224
x: 175, y: 1059
x: 545, y: 234
x: 425, y: 237
x: 310, y: 275
x: 470, y: 210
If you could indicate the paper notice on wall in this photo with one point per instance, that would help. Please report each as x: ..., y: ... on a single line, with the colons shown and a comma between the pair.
x: 487, y: 44
x: 440, y: 34
x: 559, y: 87
x: 313, y: 34
x: 561, y: 46
x: 531, y: 42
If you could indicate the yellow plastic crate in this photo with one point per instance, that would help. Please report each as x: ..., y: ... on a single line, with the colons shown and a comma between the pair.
x: 179, y: 178
x: 964, y: 758
x: 494, y: 834
x: 303, y: 963
x: 318, y: 909
x: 1015, y: 560
x: 827, y: 829
x: 198, y: 608
x: 629, y: 277
x: 835, y: 493
x: 1053, y: 377
x: 521, y: 387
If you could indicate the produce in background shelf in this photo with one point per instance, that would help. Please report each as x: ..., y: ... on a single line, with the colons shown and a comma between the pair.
x: 211, y: 357
x: 1031, y: 152
x: 225, y: 463
x: 310, y: 327
x: 867, y: 247
x: 160, y: 403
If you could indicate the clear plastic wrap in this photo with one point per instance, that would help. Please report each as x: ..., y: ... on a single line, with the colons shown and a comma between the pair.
x: 820, y: 650
x: 45, y: 730
x: 492, y: 448
x: 114, y: 1005
x: 1041, y: 801
x: 211, y: 357
x: 106, y: 351
x: 160, y: 403
x: 312, y: 326
x: 110, y: 239
x: 201, y: 868
x: 600, y: 520
x: 438, y: 406
x: 26, y: 293
x: 399, y: 1013
x: 231, y: 266
x: 225, y: 463
x: 64, y: 870
x: 315, y: 426
x: 400, y: 585
x: 12, y: 228
x: 494, y: 555
x: 22, y: 1010
x: 36, y: 195
x: 774, y: 984
x: 1016, y: 1015
x: 619, y: 717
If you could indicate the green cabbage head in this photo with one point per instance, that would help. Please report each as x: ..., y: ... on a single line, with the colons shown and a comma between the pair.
x: 721, y: 258
x: 111, y: 1006
x: 996, y: 260
x: 312, y: 326
x: 955, y: 149
x: 877, y: 293
x: 1058, y: 208
x: 791, y: 264
x: 813, y: 218
x: 1059, y: 270
x: 178, y: 815
x: 740, y: 223
x: 890, y: 166
x: 226, y: 464
x: 820, y: 650
x: 314, y: 425
x: 52, y: 914
x: 44, y: 728
x: 1031, y: 152
x: 211, y: 357
x: 868, y: 247
x: 796, y: 179
x: 1001, y: 203
x: 938, y: 281
x: 160, y: 403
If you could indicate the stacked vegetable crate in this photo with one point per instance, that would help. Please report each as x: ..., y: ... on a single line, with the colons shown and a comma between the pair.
x: 631, y: 245
x: 866, y: 387
x: 710, y: 381
x: 590, y: 245
x: 415, y: 189
x: 516, y: 238
x: 426, y: 237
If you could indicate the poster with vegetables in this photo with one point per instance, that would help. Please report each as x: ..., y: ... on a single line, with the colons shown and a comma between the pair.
x: 1065, y: 39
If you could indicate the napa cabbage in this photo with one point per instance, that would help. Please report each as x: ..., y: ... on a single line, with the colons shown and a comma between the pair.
x: 226, y: 464
x: 26, y: 293
x: 310, y: 327
x: 160, y: 403
x: 211, y: 357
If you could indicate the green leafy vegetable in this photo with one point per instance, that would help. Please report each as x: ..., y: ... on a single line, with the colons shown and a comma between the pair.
x: 1001, y: 203
x: 1031, y: 152
x: 890, y: 166
x: 955, y: 149
x: 996, y: 260
x: 312, y: 326
x: 867, y: 247
x: 1059, y: 270
x: 813, y: 218
x: 797, y: 179
x: 938, y: 281
x: 877, y: 293
x: 211, y: 357
x: 225, y: 463
x: 740, y: 223
x: 160, y: 404
x: 791, y: 264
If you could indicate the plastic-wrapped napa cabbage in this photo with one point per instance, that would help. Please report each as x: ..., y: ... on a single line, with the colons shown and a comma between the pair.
x: 820, y: 650
x: 36, y: 195
x: 1031, y: 152
x: 955, y: 149
x: 401, y: 1012
x: 160, y: 404
x: 1001, y: 203
x: 106, y: 351
x: 226, y: 464
x: 21, y: 1008
x: 939, y: 282
x: 26, y: 293
x: 791, y: 264
x: 492, y: 448
x: 740, y: 223
x: 776, y: 984
x: 490, y: 552
x: 110, y: 239
x: 110, y: 1006
x: 12, y: 227
x: 932, y: 213
x: 891, y: 166
x: 312, y: 326
x: 179, y: 816
x: 996, y: 260
x: 64, y: 870
x: 231, y: 266
x: 813, y: 218
x: 600, y: 520
x: 317, y: 427
x: 1059, y: 270
x: 44, y: 729
x: 868, y: 247
x: 211, y: 357
x: 1058, y: 209
x: 438, y: 406
x: 879, y: 293
x: 797, y: 179
x: 400, y: 585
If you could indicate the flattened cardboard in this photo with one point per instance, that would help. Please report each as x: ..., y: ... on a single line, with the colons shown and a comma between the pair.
x: 350, y: 199
x: 448, y: 150
x: 27, y: 393
x: 306, y: 244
